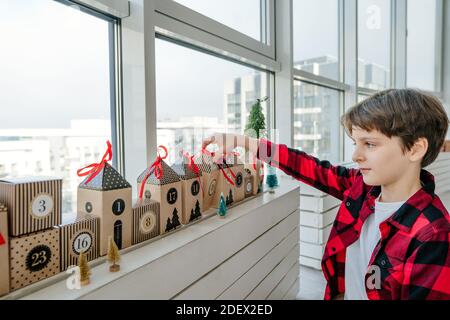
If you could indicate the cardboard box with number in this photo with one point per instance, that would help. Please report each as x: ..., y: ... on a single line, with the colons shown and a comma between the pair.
x: 79, y: 233
x: 145, y: 220
x: 165, y: 189
x: 4, y: 250
x: 33, y: 257
x: 34, y: 203
x: 257, y: 172
x: 248, y: 183
x: 191, y: 191
x: 210, y: 177
x: 238, y: 168
x: 108, y: 196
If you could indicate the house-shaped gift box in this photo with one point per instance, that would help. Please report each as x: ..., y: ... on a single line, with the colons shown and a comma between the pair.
x: 164, y: 186
x: 210, y: 176
x: 108, y: 196
x: 191, y: 191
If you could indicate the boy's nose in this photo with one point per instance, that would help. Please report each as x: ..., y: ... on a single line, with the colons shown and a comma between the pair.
x: 357, y: 156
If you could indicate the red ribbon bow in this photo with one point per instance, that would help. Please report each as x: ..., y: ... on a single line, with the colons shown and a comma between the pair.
x: 193, y: 166
x: 157, y: 168
x: 95, y: 168
x: 222, y: 162
x: 2, y: 240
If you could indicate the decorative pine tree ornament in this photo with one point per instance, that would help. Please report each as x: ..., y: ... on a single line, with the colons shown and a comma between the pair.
x: 272, y: 179
x: 222, y: 206
x: 85, y: 271
x: 256, y: 123
x: 113, y: 255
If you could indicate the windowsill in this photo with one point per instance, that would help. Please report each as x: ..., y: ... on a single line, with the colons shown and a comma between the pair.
x: 164, y: 249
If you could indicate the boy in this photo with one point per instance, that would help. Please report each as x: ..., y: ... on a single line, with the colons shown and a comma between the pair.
x: 391, y: 235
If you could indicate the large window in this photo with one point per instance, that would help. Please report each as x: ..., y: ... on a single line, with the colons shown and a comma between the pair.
x: 55, y: 91
x: 243, y: 16
x: 316, y: 37
x: 198, y: 94
x: 316, y: 120
x: 422, y: 65
x: 374, y: 27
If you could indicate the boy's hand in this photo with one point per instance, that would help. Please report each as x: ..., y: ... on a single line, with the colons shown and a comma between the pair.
x: 225, y: 142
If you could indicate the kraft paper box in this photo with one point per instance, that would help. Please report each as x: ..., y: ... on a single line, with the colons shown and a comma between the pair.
x: 210, y: 176
x: 238, y: 168
x: 34, y: 203
x: 258, y: 174
x: 145, y: 220
x: 79, y: 233
x: 224, y: 185
x: 108, y: 196
x: 34, y: 257
x: 4, y: 251
x: 191, y: 191
x: 248, y: 183
x: 166, y: 191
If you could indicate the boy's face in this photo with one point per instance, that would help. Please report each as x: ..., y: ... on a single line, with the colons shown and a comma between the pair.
x: 380, y: 159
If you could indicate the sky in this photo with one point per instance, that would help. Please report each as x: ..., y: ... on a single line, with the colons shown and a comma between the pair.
x: 53, y: 66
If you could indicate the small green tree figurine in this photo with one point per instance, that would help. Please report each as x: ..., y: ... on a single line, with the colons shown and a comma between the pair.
x: 222, y: 206
x: 113, y: 255
x: 256, y: 123
x: 271, y: 180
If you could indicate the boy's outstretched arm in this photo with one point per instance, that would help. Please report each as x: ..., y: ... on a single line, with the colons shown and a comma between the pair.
x: 333, y: 180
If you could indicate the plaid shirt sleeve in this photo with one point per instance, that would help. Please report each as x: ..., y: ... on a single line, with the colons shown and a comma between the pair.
x: 333, y: 180
x: 427, y: 270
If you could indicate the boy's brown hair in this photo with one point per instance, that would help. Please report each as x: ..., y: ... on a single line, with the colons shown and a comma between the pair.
x: 409, y: 114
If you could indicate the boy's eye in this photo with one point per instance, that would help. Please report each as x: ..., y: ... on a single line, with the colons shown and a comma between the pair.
x: 369, y: 145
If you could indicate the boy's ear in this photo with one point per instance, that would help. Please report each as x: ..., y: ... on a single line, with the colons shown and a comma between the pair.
x: 418, y: 150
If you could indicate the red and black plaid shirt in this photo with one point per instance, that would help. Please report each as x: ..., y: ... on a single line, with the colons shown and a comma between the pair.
x: 413, y: 254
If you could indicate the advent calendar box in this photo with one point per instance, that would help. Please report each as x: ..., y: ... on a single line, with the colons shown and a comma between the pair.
x: 33, y: 257
x: 4, y: 251
x: 79, y: 233
x: 34, y: 203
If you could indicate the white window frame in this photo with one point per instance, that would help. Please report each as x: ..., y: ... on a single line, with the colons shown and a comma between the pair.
x: 266, y: 47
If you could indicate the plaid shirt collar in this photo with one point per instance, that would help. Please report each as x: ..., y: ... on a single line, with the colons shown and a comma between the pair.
x: 407, y: 214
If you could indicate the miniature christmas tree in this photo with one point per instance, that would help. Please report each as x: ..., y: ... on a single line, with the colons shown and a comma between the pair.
x: 168, y: 225
x: 175, y: 219
x: 256, y: 128
x: 85, y: 271
x: 271, y: 180
x: 113, y: 255
x: 222, y: 206
x: 256, y: 123
x: 195, y: 214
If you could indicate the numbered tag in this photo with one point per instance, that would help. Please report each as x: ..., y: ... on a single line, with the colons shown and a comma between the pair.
x: 212, y: 187
x: 42, y: 205
x: 88, y: 207
x: 148, y: 222
x: 82, y: 243
x: 249, y: 187
x: 172, y: 196
x: 118, y: 207
x: 38, y: 258
x: 195, y: 188
x: 239, y: 179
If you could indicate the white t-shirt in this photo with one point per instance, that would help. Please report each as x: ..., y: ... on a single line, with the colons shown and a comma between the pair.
x: 359, y: 253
